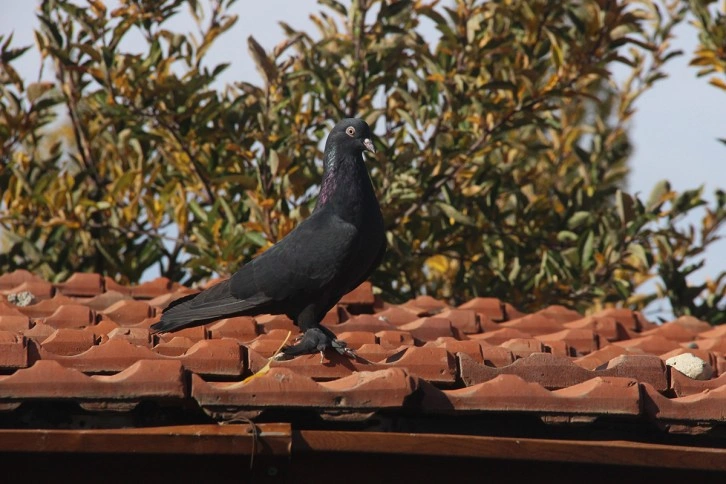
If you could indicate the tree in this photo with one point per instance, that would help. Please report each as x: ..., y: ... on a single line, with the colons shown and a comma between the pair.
x: 503, y: 148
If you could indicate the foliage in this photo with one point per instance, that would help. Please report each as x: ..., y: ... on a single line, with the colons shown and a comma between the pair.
x: 503, y: 147
x: 710, y: 57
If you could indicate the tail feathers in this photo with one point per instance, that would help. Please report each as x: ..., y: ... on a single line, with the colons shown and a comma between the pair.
x: 199, y: 309
x: 179, y: 301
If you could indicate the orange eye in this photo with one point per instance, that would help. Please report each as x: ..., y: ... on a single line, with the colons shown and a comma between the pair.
x: 350, y: 131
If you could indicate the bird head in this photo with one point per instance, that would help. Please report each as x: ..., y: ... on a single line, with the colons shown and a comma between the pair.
x: 351, y: 134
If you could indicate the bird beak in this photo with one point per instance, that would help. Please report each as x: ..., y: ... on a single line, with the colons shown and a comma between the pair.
x: 369, y: 145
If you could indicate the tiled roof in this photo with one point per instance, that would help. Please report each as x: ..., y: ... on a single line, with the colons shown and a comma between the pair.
x: 86, y: 342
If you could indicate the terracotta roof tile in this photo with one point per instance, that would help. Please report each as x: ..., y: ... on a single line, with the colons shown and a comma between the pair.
x: 241, y: 328
x: 471, y: 348
x: 107, y: 299
x: 356, y: 339
x: 40, y: 331
x: 430, y: 363
x: 7, y: 309
x: 683, y: 385
x: 560, y: 314
x: 110, y: 357
x: 423, y: 356
x: 672, y: 331
x: 222, y: 357
x: 555, y: 372
x: 266, y: 346
x: 215, y: 357
x: 708, y: 406
x: 13, y: 351
x: 522, y: 347
x: 16, y: 278
x: 41, y: 309
x: 600, y: 357
x: 197, y: 333
x: 363, y: 322
x: 176, y: 346
x: 15, y: 322
x: 706, y: 356
x: 720, y: 365
x: 717, y: 332
x: 68, y: 341
x: 493, y: 308
x: 496, y: 356
x: 394, y: 338
x: 631, y: 320
x: 598, y: 396
x: 39, y: 289
x: 500, y: 336
x: 360, y: 296
x: 50, y: 380
x: 377, y: 352
x: 112, y: 285
x: 161, y: 301
x: 128, y: 312
x: 338, y: 314
x: 284, y: 388
x: 582, y: 340
x: 607, y: 328
x: 694, y: 325
x: 465, y: 320
x: 561, y: 348
x: 82, y: 284
x: 397, y: 315
x: 135, y: 336
x: 103, y: 327
x: 429, y: 328
x: 487, y: 324
x: 269, y: 322
x: 71, y: 316
x: 154, y: 288
x: 712, y: 344
x: 534, y: 324
x: 425, y: 305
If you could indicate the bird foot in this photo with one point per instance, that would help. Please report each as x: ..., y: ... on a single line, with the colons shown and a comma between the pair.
x: 315, y: 340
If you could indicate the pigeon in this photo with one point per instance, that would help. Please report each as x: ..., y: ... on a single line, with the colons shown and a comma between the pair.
x: 307, y: 272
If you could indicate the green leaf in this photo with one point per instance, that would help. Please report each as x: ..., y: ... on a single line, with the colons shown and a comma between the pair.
x: 579, y: 218
x: 586, y: 250
x: 454, y: 214
x: 638, y: 251
x: 566, y: 236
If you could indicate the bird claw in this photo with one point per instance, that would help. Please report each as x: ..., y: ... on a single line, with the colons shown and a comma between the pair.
x: 316, y: 340
x: 282, y: 356
x: 345, y: 351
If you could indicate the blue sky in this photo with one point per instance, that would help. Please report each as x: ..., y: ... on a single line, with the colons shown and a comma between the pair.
x: 674, y: 130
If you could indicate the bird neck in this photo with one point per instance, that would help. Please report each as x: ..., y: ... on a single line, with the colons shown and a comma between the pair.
x: 345, y: 183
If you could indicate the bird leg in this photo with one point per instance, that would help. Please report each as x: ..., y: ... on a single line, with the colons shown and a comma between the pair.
x: 314, y: 340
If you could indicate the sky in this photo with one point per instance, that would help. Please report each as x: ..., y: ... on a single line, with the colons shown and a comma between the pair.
x: 674, y: 130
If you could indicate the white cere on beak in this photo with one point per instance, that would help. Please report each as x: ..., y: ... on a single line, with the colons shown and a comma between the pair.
x: 369, y: 145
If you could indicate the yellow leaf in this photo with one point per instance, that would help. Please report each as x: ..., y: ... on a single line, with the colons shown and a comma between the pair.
x: 438, y: 263
x: 263, y: 371
x: 718, y: 83
x: 472, y: 190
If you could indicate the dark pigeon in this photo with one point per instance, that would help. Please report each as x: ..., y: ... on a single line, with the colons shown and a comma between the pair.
x: 305, y: 274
